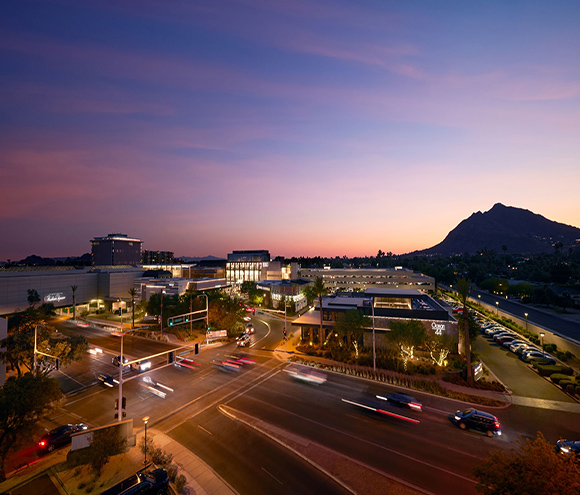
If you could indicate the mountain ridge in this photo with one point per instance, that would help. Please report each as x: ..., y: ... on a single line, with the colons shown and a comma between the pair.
x: 521, y: 231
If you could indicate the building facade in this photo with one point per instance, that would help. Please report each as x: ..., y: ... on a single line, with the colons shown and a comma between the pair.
x: 383, y: 306
x: 116, y: 249
x: 157, y: 257
x: 244, y: 266
x: 360, y: 279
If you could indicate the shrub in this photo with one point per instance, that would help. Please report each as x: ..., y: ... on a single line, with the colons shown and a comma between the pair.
x: 569, y: 355
x: 570, y: 388
x: 180, y: 482
x: 550, y: 369
x: 557, y: 377
x: 161, y: 458
x: 171, y: 472
x: 577, y: 389
x: 561, y: 356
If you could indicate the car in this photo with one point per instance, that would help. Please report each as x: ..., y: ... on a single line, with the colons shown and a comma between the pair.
x: 59, y: 436
x: 537, y: 356
x: 107, y: 380
x: 142, y: 483
x: 505, y: 338
x: 246, y: 318
x: 477, y: 420
x: 403, y: 400
x: 117, y: 359
x: 498, y: 335
x: 250, y: 328
x: 141, y: 365
x: 244, y: 340
x: 517, y: 345
x: 516, y: 341
x: 306, y: 374
x: 528, y: 347
x: 568, y: 447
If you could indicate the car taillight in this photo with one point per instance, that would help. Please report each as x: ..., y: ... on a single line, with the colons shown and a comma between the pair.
x: 415, y: 406
x: 496, y: 424
x: 42, y: 443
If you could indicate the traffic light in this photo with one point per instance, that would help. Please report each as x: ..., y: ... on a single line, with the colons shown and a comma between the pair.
x: 116, y: 405
x: 208, y: 328
x: 57, y: 364
x: 253, y: 311
x: 196, y: 348
x: 170, y: 357
x: 124, y: 403
x: 120, y: 311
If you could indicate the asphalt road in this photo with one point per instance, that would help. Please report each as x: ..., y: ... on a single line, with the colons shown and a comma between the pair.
x: 433, y: 454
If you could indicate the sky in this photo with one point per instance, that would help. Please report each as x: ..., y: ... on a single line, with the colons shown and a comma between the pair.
x: 331, y: 128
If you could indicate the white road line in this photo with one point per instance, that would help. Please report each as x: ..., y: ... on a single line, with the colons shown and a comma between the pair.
x: 71, y: 378
x: 208, y: 432
x: 267, y: 472
x: 269, y: 330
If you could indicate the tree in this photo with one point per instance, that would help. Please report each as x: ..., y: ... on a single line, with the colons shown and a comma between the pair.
x: 319, y: 289
x: 463, y: 290
x: 350, y: 326
x: 406, y: 335
x: 23, y: 401
x: 33, y: 297
x: 132, y: 293
x: 74, y: 288
x: 535, y: 469
x: 106, y: 443
x: 19, y: 344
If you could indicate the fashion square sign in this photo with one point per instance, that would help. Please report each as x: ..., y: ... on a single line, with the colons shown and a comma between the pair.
x: 55, y: 297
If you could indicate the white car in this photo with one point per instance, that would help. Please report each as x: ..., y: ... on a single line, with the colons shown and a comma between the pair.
x: 530, y: 356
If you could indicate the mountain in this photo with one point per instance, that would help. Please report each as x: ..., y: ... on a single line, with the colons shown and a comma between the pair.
x: 521, y: 231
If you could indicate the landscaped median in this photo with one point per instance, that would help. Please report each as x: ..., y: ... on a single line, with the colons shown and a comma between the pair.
x: 432, y: 386
x: 351, y: 474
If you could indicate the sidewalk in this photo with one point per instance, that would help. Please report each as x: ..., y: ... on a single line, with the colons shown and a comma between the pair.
x: 201, y: 479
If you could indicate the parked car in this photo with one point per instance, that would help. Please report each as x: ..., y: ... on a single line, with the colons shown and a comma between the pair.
x: 517, y: 345
x: 538, y: 357
x: 527, y: 348
x: 59, y: 436
x: 568, y: 447
x: 477, y: 420
x: 141, y: 483
x: 506, y: 338
x: 516, y: 341
x: 403, y: 400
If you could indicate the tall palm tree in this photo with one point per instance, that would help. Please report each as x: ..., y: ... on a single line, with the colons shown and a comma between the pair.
x: 132, y: 293
x: 463, y: 289
x: 191, y: 293
x: 319, y: 289
x: 74, y: 288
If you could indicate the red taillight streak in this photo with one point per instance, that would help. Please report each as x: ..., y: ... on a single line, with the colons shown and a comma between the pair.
x: 398, y: 416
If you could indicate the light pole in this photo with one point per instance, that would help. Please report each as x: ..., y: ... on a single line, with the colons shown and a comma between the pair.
x: 542, y: 343
x: 161, y: 322
x: 374, y: 345
x: 526, y: 315
x: 120, y: 403
x: 121, y: 312
x: 497, y: 308
x: 145, y: 420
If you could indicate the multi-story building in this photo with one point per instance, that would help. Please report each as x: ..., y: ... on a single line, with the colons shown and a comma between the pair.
x: 116, y: 249
x: 243, y: 266
x: 360, y: 279
x: 290, y: 290
x: 157, y: 257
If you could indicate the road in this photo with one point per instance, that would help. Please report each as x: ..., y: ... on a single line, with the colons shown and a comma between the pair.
x: 433, y: 454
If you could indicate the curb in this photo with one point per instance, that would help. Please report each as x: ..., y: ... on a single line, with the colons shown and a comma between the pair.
x: 222, y: 409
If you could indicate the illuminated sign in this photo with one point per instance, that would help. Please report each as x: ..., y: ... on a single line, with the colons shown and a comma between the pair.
x: 438, y: 327
x: 55, y: 297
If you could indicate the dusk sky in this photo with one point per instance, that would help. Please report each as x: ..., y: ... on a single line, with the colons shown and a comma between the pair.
x: 303, y: 127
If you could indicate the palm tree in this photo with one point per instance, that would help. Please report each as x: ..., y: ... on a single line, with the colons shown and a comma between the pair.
x: 74, y: 288
x: 319, y: 289
x: 132, y: 293
x: 463, y: 289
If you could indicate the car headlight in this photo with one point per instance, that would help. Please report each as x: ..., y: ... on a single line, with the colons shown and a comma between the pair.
x: 566, y: 450
x: 457, y: 418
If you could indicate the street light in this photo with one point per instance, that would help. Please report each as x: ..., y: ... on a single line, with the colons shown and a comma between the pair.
x: 145, y: 420
x: 542, y: 343
x: 497, y: 307
x: 121, y: 312
x: 526, y: 315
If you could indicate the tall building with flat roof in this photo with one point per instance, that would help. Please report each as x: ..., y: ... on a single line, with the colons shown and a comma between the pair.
x: 157, y: 257
x: 245, y: 266
x: 116, y: 249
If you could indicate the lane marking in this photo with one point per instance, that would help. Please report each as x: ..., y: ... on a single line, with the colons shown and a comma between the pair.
x: 381, y: 447
x: 267, y: 472
x: 269, y: 330
x: 208, y: 432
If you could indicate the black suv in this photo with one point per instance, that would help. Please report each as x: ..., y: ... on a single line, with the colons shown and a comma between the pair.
x: 477, y: 420
x: 59, y: 436
x: 141, y: 483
